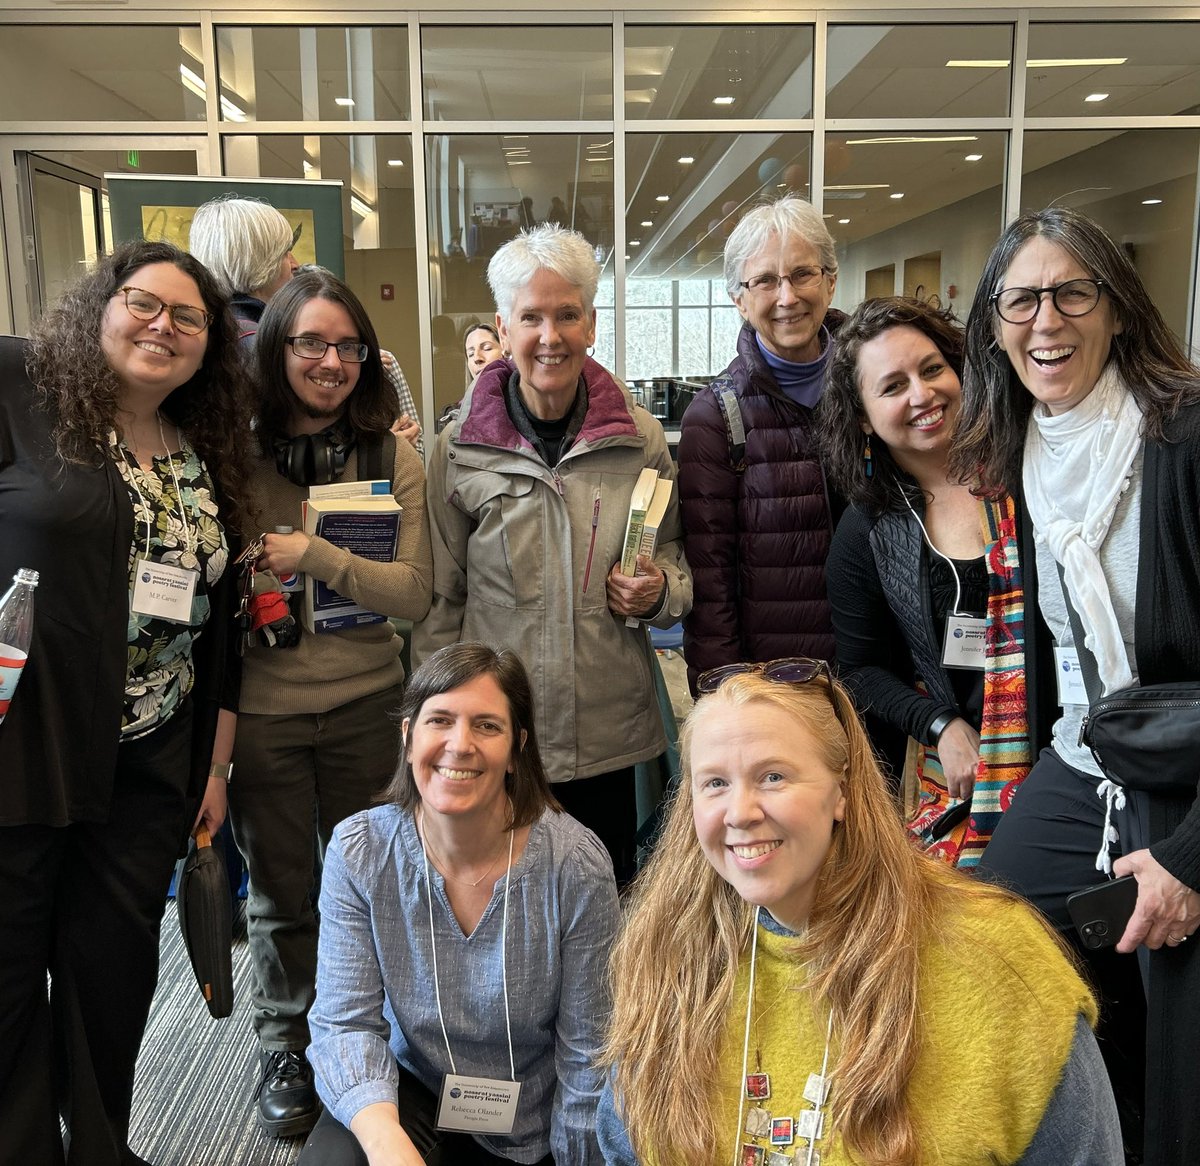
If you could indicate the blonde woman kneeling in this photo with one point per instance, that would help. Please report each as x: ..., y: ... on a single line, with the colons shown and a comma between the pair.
x: 796, y: 983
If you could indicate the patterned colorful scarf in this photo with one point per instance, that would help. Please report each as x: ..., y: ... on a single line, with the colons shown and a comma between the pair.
x: 943, y: 826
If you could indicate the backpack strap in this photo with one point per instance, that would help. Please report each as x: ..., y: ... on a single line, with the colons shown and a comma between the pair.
x: 731, y: 413
x: 376, y: 456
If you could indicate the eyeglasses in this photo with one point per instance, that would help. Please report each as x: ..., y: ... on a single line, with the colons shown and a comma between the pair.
x: 142, y: 305
x: 801, y: 278
x: 786, y: 670
x: 312, y: 348
x: 1020, y: 305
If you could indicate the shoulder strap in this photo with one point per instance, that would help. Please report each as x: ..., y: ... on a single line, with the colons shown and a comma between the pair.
x: 731, y: 413
x: 1087, y: 662
x: 376, y: 456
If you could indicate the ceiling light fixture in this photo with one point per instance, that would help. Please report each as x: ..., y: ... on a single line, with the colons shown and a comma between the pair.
x: 909, y: 139
x: 395, y: 161
x: 1045, y: 63
x: 646, y: 223
x: 722, y: 101
x: 898, y: 194
x: 686, y: 160
x: 973, y: 158
x: 862, y: 186
x: 635, y: 242
x: 1151, y: 202
x: 345, y: 102
x: 662, y: 198
x: 1096, y: 97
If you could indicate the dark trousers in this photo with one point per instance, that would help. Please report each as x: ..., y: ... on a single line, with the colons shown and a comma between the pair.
x: 607, y: 805
x: 332, y: 1144
x: 84, y: 902
x: 295, y: 778
x: 1045, y: 849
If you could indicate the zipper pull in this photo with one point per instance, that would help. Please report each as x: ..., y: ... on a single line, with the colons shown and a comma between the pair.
x: 1082, y: 730
x: 557, y: 482
x: 596, y: 511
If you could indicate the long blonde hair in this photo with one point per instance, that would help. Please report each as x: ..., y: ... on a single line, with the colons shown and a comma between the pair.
x: 878, y: 901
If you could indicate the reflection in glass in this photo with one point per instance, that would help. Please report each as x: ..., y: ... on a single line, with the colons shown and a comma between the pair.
x: 377, y: 220
x: 482, y: 189
x: 102, y: 73
x: 918, y: 70
x: 713, y: 71
x: 488, y: 72
x: 1139, y: 185
x: 678, y: 218
x: 1113, y: 70
x: 326, y: 73
x: 915, y: 204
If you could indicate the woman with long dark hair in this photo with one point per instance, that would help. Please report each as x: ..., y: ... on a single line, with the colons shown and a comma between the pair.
x: 122, y: 472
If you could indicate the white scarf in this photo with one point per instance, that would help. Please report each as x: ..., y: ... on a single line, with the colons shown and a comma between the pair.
x: 1077, y: 466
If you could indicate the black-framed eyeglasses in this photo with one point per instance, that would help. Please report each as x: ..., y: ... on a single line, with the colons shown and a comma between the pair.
x: 313, y: 348
x: 785, y: 670
x: 1075, y: 297
x: 800, y: 278
x: 144, y: 305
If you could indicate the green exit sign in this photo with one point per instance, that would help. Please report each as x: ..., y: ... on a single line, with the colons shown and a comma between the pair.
x: 133, y: 158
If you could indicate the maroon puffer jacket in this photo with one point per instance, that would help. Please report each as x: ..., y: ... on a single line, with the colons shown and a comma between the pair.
x: 756, y: 539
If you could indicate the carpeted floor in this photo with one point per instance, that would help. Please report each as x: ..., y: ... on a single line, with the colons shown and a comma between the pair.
x: 196, y: 1076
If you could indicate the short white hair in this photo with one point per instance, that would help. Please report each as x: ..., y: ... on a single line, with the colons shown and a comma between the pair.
x: 242, y: 241
x: 548, y: 246
x: 789, y: 217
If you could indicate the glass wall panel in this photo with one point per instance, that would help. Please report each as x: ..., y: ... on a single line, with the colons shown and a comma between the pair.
x: 918, y: 70
x: 714, y: 71
x: 1113, y: 70
x: 686, y: 194
x: 487, y: 72
x: 377, y: 220
x: 327, y: 73
x: 913, y: 213
x: 86, y: 73
x: 1140, y: 186
x: 482, y: 188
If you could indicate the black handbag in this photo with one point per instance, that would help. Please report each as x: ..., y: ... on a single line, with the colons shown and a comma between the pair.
x: 1148, y: 738
x: 206, y: 920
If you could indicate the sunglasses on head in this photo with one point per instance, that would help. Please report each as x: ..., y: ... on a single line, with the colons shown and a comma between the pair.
x: 786, y: 670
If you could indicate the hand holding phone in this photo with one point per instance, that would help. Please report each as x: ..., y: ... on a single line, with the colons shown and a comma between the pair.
x: 1101, y: 913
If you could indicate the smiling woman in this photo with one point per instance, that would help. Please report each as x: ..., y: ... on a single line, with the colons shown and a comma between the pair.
x: 823, y: 972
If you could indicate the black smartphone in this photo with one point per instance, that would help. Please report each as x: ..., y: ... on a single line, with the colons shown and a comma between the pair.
x: 1101, y: 913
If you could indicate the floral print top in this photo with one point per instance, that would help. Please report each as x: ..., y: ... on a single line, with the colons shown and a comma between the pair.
x: 159, y: 671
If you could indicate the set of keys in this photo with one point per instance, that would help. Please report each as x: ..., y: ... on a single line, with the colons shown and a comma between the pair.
x: 263, y: 615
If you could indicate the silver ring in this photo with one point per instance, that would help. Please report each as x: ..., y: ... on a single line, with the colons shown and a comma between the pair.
x: 1176, y: 938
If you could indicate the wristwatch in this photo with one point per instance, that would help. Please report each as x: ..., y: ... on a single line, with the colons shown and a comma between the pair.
x: 939, y: 727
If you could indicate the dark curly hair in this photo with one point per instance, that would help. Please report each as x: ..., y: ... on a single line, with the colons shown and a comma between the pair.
x: 372, y: 405
x: 67, y: 364
x: 989, y: 440
x: 840, y: 413
x: 458, y: 664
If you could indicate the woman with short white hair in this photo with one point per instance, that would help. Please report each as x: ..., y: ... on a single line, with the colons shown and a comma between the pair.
x: 528, y: 498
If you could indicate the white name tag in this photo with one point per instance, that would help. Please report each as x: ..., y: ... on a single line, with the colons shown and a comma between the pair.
x: 1071, y: 689
x: 478, y: 1105
x: 964, y: 642
x: 164, y: 591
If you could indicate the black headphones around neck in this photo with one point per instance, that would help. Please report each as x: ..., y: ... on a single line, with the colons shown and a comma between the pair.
x: 314, y: 459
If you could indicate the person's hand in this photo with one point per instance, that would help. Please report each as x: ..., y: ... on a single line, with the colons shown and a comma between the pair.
x: 636, y: 595
x: 382, y: 1138
x: 958, y: 751
x: 404, y: 426
x: 212, y: 806
x: 1167, y: 911
x: 282, y: 552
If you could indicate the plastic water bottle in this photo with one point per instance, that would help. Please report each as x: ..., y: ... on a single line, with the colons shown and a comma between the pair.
x: 16, y: 633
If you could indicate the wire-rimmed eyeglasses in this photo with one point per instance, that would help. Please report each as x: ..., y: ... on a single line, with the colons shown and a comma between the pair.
x: 800, y: 278
x: 144, y: 305
x: 314, y: 348
x: 1074, y: 297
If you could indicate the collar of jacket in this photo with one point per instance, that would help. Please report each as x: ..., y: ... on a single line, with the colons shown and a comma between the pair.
x: 485, y: 421
x: 760, y: 377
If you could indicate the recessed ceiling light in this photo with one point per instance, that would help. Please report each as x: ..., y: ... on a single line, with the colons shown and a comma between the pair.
x: 662, y: 198
x: 348, y: 102
x: 686, y: 160
x: 635, y: 242
x: 843, y: 221
x: 646, y: 223
x: 1046, y: 63
x: 973, y: 158
x: 722, y: 101
x: 395, y: 161
x: 1151, y: 202
x: 898, y: 194
x: 1096, y: 97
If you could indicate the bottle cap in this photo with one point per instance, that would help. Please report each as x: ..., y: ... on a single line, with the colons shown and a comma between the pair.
x: 284, y: 529
x: 25, y: 575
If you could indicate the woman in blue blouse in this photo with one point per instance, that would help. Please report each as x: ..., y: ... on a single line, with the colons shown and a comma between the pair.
x: 465, y: 927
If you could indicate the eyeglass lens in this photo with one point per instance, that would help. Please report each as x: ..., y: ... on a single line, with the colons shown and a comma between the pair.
x: 1076, y: 297
x: 312, y: 348
x: 801, y: 278
x: 142, y: 305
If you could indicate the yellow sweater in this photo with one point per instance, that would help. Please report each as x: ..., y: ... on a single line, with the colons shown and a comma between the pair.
x: 1000, y: 1005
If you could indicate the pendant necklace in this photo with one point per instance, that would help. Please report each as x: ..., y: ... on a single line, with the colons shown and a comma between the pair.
x: 443, y: 866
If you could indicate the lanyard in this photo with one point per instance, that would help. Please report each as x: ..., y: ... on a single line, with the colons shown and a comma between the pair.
x: 437, y: 991
x: 188, y: 542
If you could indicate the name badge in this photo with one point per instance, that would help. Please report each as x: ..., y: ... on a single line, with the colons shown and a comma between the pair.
x: 964, y: 641
x: 1071, y: 689
x: 164, y: 591
x: 477, y: 1105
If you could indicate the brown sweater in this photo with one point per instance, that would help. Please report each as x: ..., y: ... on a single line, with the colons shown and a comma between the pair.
x: 331, y: 669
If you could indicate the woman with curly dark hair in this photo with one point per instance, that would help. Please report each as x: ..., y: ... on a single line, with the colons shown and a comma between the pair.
x: 122, y: 434
x: 923, y: 578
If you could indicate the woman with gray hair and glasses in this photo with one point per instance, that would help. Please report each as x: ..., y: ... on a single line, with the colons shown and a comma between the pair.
x: 755, y: 506
x: 528, y: 496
